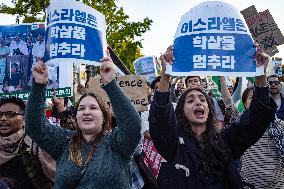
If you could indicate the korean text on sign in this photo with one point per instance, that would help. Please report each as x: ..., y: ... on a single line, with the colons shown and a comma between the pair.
x: 214, y: 23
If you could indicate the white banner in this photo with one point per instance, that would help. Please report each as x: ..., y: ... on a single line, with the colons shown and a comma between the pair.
x: 213, y: 39
x: 75, y: 32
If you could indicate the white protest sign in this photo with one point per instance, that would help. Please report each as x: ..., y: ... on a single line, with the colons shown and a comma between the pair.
x: 212, y: 39
x: 133, y: 86
x: 74, y: 33
x: 146, y: 65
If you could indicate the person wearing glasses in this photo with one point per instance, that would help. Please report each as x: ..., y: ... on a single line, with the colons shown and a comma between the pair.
x: 275, y: 92
x: 18, y: 163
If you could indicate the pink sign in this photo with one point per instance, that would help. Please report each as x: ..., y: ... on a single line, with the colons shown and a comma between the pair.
x: 153, y: 158
x: 51, y: 119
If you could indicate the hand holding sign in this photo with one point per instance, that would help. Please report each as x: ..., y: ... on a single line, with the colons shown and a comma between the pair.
x: 40, y: 72
x: 262, y: 59
x: 167, y: 57
x: 107, y: 70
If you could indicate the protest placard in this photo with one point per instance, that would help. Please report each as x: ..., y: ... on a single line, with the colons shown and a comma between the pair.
x: 213, y: 39
x: 153, y: 158
x: 75, y: 32
x: 214, y: 86
x: 146, y: 65
x: 61, y: 92
x: 51, y: 119
x: 264, y: 30
x: 276, y: 66
x: 133, y: 86
x: 22, y: 45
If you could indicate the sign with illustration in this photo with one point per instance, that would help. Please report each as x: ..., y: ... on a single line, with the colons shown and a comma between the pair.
x: 264, y: 30
x: 146, y: 65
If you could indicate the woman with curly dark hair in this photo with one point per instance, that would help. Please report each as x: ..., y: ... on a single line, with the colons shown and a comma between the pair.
x: 197, y: 155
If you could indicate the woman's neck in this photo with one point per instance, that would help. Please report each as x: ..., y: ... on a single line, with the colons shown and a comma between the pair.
x: 88, y: 137
x: 198, y: 130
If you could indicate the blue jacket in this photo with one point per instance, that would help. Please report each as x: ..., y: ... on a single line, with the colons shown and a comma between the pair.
x: 178, y: 148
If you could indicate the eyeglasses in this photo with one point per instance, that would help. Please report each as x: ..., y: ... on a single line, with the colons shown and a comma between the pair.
x: 9, y: 114
x: 274, y: 82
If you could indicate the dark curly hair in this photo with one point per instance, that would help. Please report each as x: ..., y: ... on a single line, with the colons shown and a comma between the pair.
x: 211, y: 153
x: 14, y: 100
x: 75, y: 152
x: 246, y: 94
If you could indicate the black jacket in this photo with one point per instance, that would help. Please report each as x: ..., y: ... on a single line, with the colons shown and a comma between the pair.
x: 25, y: 171
x: 178, y: 148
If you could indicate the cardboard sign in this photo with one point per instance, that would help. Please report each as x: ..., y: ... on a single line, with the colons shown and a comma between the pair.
x: 213, y: 39
x: 153, y: 158
x: 134, y: 87
x: 75, y: 32
x: 264, y: 30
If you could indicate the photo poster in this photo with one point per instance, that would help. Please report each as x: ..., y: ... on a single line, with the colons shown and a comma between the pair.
x: 21, y: 46
x: 276, y: 65
x: 214, y: 86
x: 213, y: 39
x: 75, y: 33
x: 146, y: 65
x: 263, y: 29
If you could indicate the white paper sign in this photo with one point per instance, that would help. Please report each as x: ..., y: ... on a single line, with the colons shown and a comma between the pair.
x: 213, y: 39
x: 75, y: 32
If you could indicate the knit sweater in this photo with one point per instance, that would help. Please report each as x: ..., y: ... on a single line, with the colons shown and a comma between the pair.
x: 110, y: 166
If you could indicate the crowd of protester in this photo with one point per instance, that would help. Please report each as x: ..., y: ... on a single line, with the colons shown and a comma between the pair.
x: 205, y: 142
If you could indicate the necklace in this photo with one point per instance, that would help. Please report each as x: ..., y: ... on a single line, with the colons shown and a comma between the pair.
x: 90, y: 154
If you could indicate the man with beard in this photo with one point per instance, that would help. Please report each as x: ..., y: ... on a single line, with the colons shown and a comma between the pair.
x: 19, y: 164
x: 275, y: 92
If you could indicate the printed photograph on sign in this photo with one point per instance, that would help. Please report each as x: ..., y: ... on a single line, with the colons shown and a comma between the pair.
x: 212, y: 38
x: 21, y: 47
x: 276, y: 66
x: 74, y: 34
x: 146, y: 66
